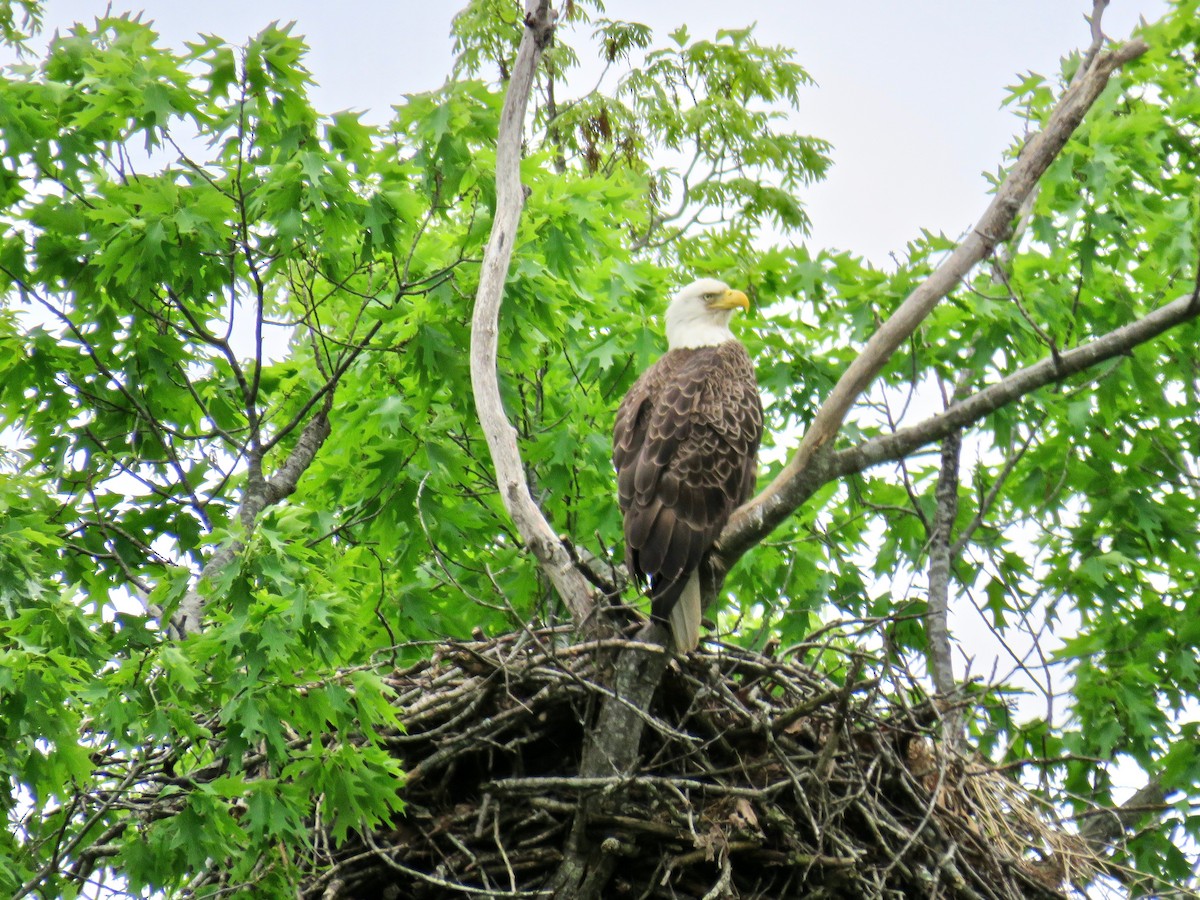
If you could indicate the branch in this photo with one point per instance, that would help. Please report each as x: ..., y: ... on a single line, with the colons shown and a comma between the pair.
x: 811, y: 463
x: 1098, y: 7
x: 501, y: 437
x: 1117, y: 342
x: 259, y: 495
x: 1106, y: 828
x: 941, y: 663
x: 1025, y: 214
x: 942, y: 552
x: 985, y: 502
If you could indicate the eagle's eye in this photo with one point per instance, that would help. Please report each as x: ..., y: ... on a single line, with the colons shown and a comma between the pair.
x: 709, y: 297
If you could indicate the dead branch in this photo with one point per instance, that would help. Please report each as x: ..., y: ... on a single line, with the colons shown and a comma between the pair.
x: 552, y: 557
x: 1106, y: 827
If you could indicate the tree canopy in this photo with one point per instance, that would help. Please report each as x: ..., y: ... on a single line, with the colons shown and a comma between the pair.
x: 243, y: 477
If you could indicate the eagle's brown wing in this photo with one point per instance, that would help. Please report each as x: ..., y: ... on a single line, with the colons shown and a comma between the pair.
x: 685, y: 446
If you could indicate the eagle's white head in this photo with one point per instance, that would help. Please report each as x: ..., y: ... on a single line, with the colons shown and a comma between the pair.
x: 698, y: 316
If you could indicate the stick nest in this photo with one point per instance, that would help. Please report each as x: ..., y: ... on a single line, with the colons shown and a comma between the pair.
x: 759, y: 777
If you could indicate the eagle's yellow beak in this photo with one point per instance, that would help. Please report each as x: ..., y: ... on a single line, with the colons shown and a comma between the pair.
x: 731, y: 299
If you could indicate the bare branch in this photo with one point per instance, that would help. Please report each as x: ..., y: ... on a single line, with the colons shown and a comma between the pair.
x: 1094, y: 22
x: 811, y: 463
x: 941, y: 663
x: 1117, y: 342
x: 551, y: 555
x: 942, y: 552
x: 1106, y: 829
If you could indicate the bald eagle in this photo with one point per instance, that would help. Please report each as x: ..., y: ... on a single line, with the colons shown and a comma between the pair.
x: 685, y: 446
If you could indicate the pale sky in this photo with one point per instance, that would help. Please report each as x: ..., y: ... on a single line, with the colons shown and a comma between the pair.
x: 909, y: 92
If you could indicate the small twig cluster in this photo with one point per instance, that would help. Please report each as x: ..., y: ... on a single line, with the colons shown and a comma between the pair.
x: 760, y: 777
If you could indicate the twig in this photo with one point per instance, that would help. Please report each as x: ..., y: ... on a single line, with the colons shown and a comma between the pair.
x: 583, y: 783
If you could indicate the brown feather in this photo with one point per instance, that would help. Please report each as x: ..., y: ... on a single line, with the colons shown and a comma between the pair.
x: 685, y: 445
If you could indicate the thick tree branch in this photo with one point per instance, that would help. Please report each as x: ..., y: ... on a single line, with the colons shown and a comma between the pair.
x: 746, y: 531
x: 941, y: 663
x: 613, y: 741
x: 943, y: 549
x: 810, y: 466
x: 611, y: 751
x: 1117, y: 342
x: 551, y: 555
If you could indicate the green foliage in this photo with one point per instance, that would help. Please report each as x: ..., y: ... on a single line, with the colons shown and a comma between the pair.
x: 197, y: 265
x: 19, y: 21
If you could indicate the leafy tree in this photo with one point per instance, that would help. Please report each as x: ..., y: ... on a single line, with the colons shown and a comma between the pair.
x: 244, y: 480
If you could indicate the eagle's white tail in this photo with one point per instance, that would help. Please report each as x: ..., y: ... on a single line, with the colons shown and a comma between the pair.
x: 685, y: 616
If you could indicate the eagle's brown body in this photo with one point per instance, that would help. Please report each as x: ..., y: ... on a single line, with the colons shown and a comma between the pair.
x: 685, y: 446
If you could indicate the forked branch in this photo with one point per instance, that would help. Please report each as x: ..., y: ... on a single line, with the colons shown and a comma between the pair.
x: 1118, y: 342
x: 260, y: 493
x: 756, y: 519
